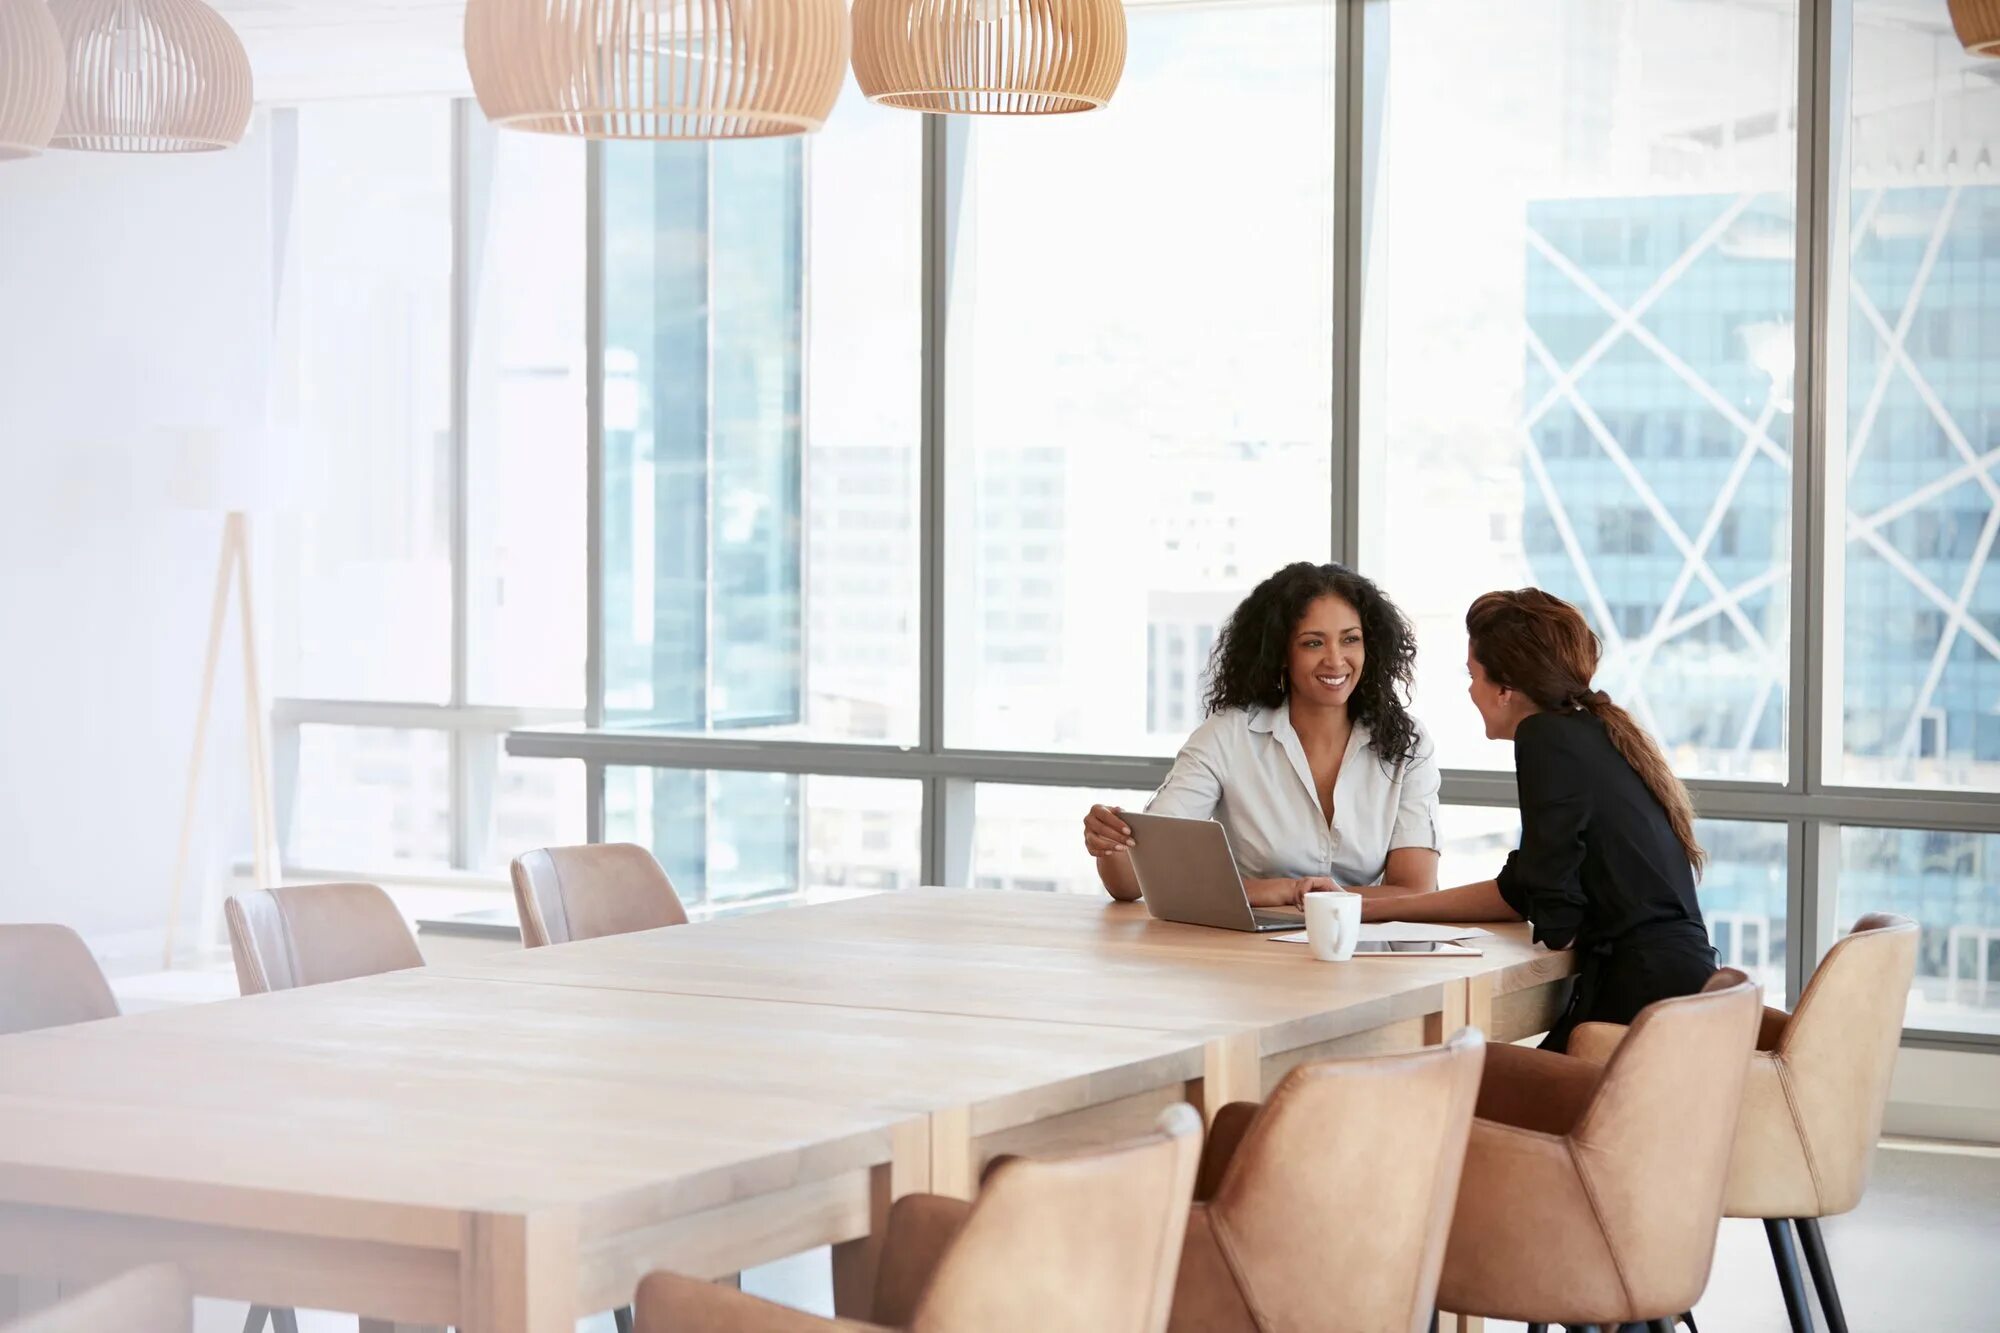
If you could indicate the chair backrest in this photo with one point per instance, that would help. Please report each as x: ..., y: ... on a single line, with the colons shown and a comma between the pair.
x: 1381, y: 1138
x: 1083, y: 1243
x: 1839, y: 1050
x: 580, y: 893
x: 1654, y: 1144
x: 153, y: 1299
x: 306, y: 934
x: 48, y: 979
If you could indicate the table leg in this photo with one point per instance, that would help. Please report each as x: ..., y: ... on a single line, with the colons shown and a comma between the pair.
x: 1467, y: 1003
x: 913, y: 1148
x: 1231, y: 1071
x: 518, y: 1274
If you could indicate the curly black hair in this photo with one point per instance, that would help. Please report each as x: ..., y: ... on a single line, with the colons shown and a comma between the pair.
x: 1249, y: 666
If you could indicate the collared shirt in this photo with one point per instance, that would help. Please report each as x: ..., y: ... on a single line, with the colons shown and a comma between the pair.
x: 1246, y: 769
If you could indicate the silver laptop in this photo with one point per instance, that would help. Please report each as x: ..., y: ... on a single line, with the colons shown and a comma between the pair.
x: 1188, y: 874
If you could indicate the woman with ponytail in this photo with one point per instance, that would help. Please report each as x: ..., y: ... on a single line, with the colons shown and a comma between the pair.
x: 1608, y: 858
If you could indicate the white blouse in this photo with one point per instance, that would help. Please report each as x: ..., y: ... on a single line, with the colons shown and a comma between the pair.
x: 1246, y: 769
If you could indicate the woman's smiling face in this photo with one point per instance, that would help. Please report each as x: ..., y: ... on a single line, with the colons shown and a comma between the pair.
x: 1328, y: 653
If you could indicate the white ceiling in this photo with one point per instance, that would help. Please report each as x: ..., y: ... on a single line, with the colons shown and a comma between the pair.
x: 306, y: 50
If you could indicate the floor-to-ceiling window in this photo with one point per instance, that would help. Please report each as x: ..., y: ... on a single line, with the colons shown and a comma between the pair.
x: 427, y: 514
x: 761, y: 318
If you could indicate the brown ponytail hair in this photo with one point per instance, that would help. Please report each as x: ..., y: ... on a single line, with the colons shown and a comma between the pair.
x: 1542, y: 646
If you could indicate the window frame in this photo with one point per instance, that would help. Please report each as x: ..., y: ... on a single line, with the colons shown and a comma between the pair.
x: 477, y: 732
x: 1812, y: 808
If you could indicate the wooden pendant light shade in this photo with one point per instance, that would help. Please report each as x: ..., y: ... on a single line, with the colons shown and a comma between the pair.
x: 151, y: 76
x: 989, y: 57
x: 1978, y: 25
x: 31, y: 78
x: 657, y: 69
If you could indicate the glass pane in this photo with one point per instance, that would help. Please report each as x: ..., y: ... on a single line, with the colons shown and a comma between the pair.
x: 526, y: 474
x: 534, y: 803
x: 362, y: 375
x: 1743, y: 897
x: 1590, y: 389
x: 761, y: 405
x: 731, y: 838
x: 366, y: 799
x: 1950, y: 884
x: 1475, y: 841
x: 1742, y: 892
x: 1140, y: 377
x: 1922, y: 592
x: 1032, y: 837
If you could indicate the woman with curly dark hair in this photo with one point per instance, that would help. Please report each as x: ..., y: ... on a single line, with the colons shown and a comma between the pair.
x: 1309, y: 758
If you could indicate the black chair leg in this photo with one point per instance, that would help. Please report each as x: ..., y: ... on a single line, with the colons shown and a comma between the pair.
x: 1538, y: 1328
x: 1822, y: 1274
x: 285, y: 1320
x: 1660, y: 1326
x: 1779, y: 1232
x: 1687, y: 1317
x: 623, y: 1317
x: 254, y: 1321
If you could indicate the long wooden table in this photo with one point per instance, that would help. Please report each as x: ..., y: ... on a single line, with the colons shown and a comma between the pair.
x: 506, y: 1145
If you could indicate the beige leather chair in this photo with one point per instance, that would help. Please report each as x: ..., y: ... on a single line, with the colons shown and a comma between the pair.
x: 1813, y: 1101
x: 1326, y: 1209
x: 1591, y: 1193
x: 153, y: 1299
x: 48, y: 979
x: 580, y: 893
x: 1082, y: 1243
x: 307, y: 934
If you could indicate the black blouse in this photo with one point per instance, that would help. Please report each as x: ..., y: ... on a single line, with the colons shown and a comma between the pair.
x: 1598, y: 859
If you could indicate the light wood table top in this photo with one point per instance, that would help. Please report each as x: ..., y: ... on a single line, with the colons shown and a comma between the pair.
x: 1049, y: 957
x: 434, y: 1092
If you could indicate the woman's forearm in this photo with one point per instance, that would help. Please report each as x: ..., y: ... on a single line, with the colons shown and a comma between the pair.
x: 1114, y: 871
x: 1469, y: 902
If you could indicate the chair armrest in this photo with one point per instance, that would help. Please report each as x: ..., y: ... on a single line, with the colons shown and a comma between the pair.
x: 1596, y: 1041
x: 1536, y: 1090
x: 1232, y: 1122
x: 670, y: 1303
x: 921, y: 1228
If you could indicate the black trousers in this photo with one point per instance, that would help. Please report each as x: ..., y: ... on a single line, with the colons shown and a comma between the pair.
x: 1620, y: 977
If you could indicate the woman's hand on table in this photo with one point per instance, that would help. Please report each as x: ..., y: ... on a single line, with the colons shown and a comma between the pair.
x: 1287, y: 892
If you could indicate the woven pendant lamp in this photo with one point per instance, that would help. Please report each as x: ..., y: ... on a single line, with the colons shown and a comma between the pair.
x: 151, y: 76
x: 989, y: 57
x: 1978, y: 25
x: 657, y: 69
x: 31, y: 78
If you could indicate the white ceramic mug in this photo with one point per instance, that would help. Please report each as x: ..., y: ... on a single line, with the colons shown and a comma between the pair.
x: 1333, y: 925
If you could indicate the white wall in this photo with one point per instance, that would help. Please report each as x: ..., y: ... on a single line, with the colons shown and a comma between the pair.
x: 1945, y: 1095
x: 135, y: 302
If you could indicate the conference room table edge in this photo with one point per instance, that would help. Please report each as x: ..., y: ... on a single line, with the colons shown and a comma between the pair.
x: 536, y: 1270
